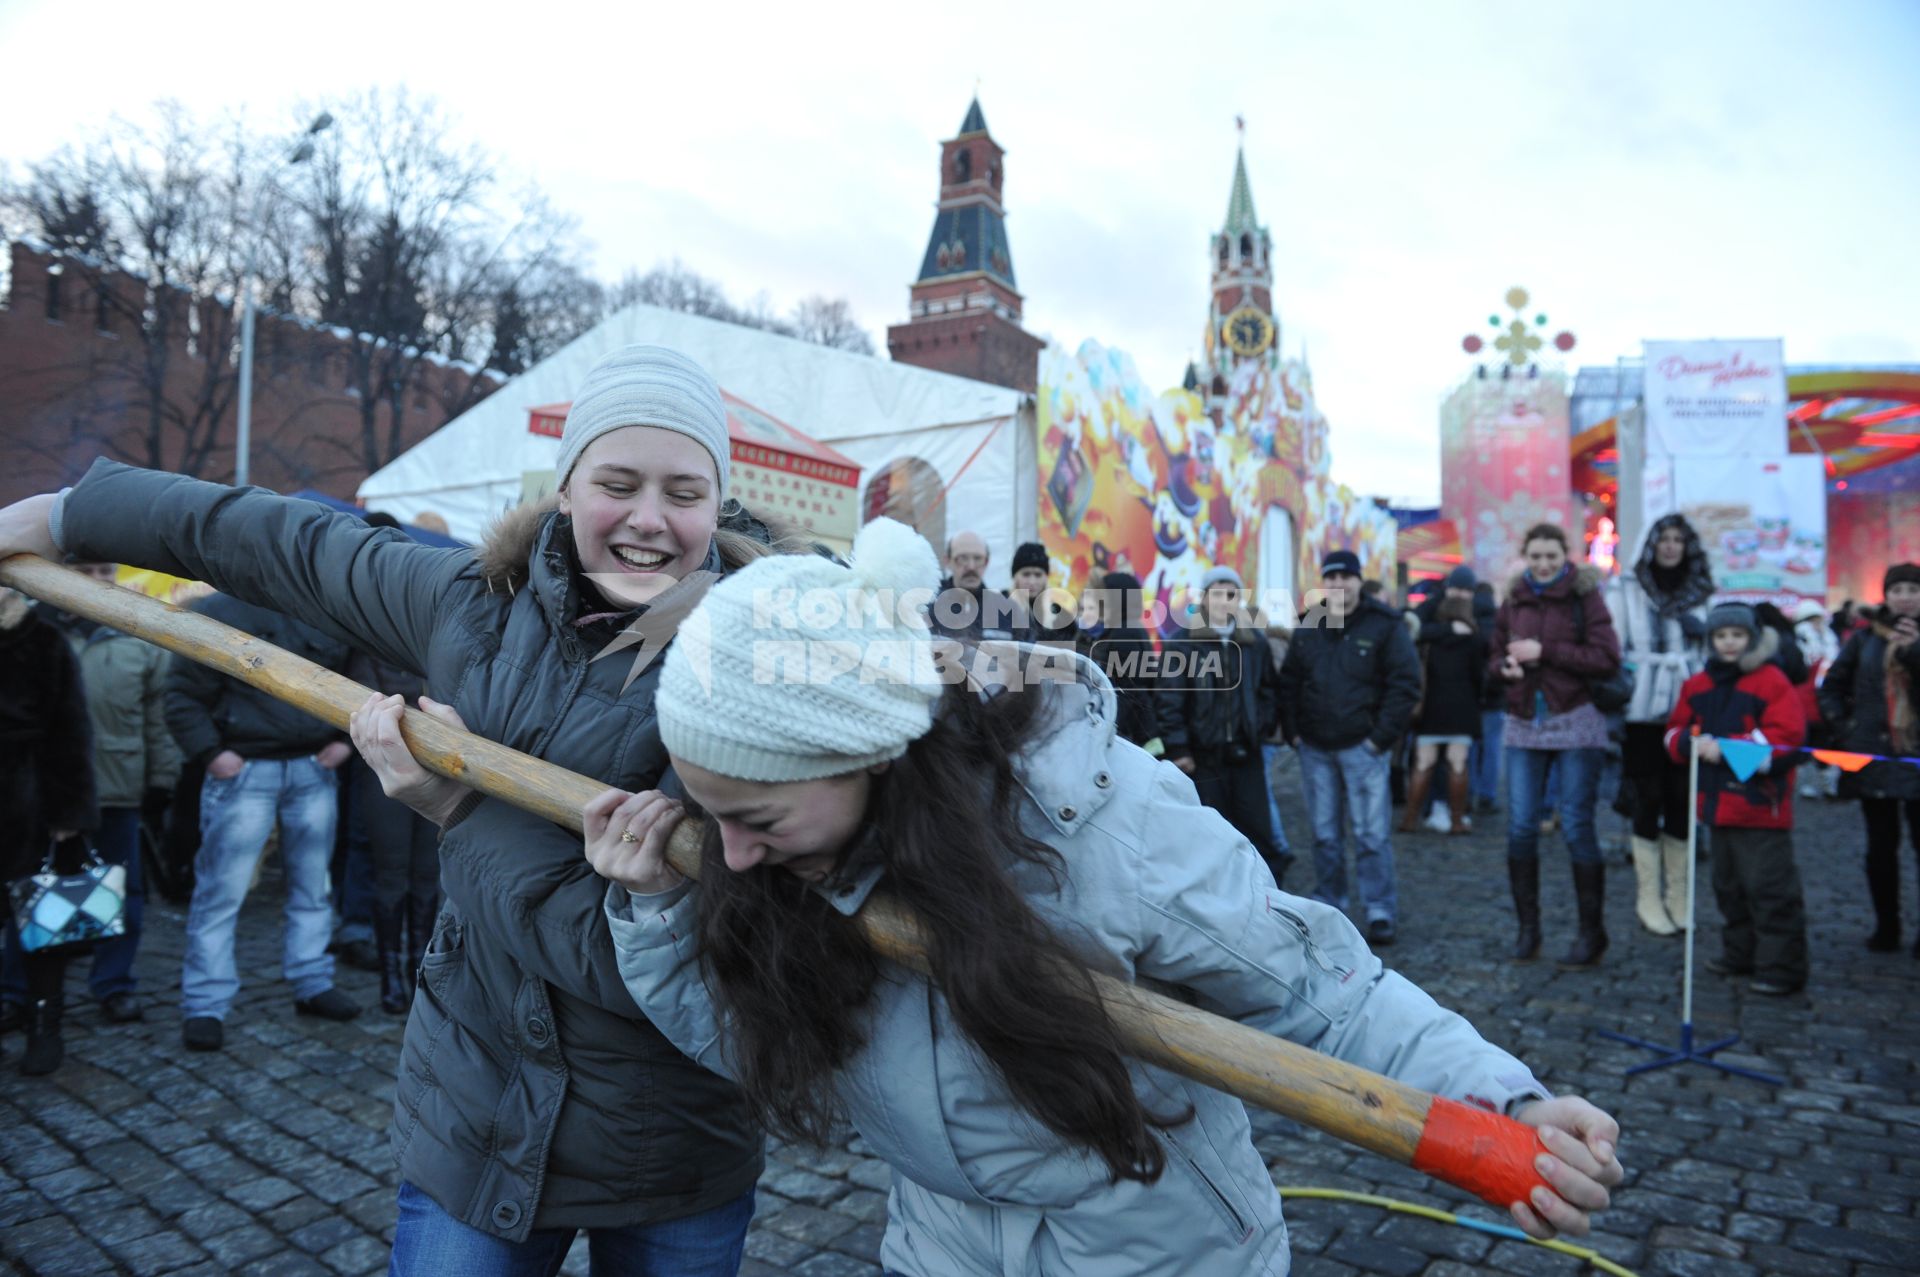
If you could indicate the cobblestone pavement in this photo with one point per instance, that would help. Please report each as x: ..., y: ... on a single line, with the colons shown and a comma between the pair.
x: 271, y: 1156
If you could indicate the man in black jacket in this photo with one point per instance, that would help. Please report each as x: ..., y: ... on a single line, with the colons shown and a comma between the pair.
x: 265, y: 763
x: 1218, y: 701
x: 1347, y: 693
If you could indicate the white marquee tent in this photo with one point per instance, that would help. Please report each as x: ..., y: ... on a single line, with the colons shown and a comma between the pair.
x: 942, y: 452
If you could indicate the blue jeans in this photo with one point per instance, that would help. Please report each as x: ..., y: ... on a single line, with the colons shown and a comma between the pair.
x: 428, y: 1242
x: 236, y: 815
x: 118, y: 842
x: 1361, y: 776
x: 1576, y: 774
x: 1268, y: 753
x: 1483, y: 763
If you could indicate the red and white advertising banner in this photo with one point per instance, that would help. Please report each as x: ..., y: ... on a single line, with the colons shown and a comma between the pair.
x: 1763, y: 522
x: 820, y: 498
x: 1716, y: 398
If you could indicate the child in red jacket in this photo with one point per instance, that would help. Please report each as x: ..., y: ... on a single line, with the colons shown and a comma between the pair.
x: 1743, y: 695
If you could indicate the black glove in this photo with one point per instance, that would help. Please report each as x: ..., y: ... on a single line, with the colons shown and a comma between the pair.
x: 1693, y: 625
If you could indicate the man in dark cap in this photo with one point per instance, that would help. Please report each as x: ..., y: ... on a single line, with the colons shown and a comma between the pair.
x: 1347, y: 693
x: 1036, y: 617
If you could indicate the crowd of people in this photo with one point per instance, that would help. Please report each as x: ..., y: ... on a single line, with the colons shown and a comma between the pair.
x: 1567, y: 692
x: 594, y: 1043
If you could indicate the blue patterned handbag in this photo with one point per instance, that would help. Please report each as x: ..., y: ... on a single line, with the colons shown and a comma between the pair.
x: 55, y: 911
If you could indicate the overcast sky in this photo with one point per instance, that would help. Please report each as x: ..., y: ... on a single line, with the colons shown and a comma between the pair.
x: 1660, y: 169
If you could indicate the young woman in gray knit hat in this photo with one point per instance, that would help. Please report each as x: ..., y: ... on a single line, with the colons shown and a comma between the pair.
x: 533, y: 1099
x: 808, y: 718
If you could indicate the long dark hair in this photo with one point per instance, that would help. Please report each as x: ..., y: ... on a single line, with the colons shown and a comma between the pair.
x: 795, y: 976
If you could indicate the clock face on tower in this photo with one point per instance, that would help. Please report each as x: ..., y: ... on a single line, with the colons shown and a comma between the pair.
x: 1247, y: 331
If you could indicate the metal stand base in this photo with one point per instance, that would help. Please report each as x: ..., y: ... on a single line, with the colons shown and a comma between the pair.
x: 1687, y: 1053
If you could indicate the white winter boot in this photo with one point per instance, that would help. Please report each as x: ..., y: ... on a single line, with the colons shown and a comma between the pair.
x: 1673, y: 853
x: 1647, y: 903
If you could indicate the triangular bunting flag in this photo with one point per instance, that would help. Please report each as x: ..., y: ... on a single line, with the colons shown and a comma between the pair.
x: 1843, y: 759
x: 1744, y: 756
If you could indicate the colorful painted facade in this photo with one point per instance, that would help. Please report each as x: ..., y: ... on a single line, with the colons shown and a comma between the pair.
x: 1232, y: 468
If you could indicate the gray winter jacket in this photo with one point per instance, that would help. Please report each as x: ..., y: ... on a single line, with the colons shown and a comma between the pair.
x: 1157, y: 886
x: 532, y: 1092
x: 126, y: 678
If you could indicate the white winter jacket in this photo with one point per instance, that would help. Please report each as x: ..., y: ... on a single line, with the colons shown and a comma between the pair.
x: 1161, y: 887
x: 1658, y: 651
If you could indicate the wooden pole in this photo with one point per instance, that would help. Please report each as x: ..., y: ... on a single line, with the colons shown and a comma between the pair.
x: 1354, y: 1104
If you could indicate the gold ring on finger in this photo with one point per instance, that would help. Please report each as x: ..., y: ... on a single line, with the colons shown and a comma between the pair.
x: 627, y: 835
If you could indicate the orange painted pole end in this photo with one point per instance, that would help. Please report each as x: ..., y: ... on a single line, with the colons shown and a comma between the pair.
x: 1488, y: 1154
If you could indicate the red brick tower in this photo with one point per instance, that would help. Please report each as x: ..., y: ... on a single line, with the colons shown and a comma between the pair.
x: 965, y: 314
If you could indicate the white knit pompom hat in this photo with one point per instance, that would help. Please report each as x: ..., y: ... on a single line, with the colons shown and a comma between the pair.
x: 795, y: 667
x: 646, y: 386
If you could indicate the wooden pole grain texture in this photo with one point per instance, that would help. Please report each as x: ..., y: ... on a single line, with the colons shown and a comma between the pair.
x: 1351, y: 1103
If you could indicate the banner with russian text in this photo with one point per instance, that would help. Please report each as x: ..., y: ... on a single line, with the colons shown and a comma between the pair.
x: 1716, y: 398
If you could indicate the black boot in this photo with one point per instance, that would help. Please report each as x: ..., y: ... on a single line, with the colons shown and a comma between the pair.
x: 45, y: 1050
x: 1419, y: 789
x: 1523, y: 874
x: 1589, y: 893
x: 395, y: 988
x: 1883, y: 886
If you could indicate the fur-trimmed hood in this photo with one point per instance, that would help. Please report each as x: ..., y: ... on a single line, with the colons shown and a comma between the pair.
x: 1584, y: 579
x: 1696, y: 575
x: 504, y: 552
x: 1760, y: 651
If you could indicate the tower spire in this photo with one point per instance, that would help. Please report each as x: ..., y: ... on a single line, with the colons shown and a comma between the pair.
x: 976, y: 121
x: 1240, y: 215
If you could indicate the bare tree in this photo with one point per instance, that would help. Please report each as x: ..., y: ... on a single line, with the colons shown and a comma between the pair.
x: 146, y: 218
x: 537, y: 309
x: 830, y: 322
x: 396, y: 236
x: 410, y: 248
x: 676, y: 286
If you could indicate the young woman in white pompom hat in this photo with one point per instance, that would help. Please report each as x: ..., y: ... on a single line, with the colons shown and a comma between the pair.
x: 807, y: 717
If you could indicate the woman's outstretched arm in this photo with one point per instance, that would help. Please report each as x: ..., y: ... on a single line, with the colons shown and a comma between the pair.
x: 372, y: 587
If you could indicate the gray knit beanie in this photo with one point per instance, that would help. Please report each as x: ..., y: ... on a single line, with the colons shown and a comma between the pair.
x: 1734, y: 616
x: 646, y: 386
x: 1222, y: 575
x: 796, y: 667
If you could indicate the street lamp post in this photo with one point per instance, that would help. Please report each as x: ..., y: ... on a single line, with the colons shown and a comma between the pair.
x: 243, y: 434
